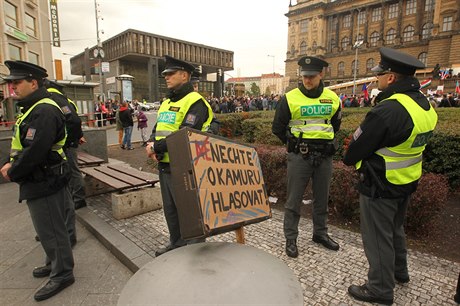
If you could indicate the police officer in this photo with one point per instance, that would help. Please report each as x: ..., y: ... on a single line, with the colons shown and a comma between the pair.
x: 74, y: 139
x: 38, y: 164
x: 387, y: 151
x: 183, y: 108
x: 307, y: 119
x: 195, y: 79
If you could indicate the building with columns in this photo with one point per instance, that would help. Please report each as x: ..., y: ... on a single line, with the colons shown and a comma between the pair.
x: 141, y: 55
x: 345, y: 31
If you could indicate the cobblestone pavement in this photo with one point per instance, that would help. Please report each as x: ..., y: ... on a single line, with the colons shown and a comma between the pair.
x: 324, y: 275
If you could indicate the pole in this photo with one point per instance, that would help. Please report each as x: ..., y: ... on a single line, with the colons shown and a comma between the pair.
x: 99, y: 45
x: 356, y: 56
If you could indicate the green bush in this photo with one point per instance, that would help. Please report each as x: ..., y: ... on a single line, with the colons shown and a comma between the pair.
x: 273, y: 162
x: 343, y: 195
x: 426, y: 204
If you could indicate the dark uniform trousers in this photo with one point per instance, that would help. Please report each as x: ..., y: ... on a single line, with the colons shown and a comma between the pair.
x: 76, y: 180
x: 384, y: 240
x: 169, y: 208
x: 48, y: 216
x: 299, y: 172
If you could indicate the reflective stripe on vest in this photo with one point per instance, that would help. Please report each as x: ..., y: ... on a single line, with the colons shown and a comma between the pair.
x: 16, y: 145
x: 312, y: 116
x: 58, y: 92
x: 403, y: 163
x: 171, y: 115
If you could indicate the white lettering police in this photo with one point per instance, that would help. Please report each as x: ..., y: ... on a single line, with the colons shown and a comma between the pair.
x: 315, y: 110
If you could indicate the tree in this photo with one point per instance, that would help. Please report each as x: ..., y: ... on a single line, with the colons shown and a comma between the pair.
x: 255, y: 90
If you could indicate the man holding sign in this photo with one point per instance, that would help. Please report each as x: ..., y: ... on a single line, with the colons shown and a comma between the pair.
x: 183, y: 108
x: 306, y: 120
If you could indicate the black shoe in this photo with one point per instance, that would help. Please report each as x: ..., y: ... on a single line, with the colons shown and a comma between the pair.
x: 457, y: 298
x: 52, y: 288
x: 43, y: 271
x: 123, y: 147
x: 165, y: 250
x: 361, y: 293
x: 291, y: 248
x: 80, y: 204
x: 327, y: 242
x: 402, y: 279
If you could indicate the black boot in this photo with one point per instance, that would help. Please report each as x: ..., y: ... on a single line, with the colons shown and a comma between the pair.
x: 291, y: 248
x: 52, y: 288
x: 327, y: 242
x: 43, y: 271
x: 80, y: 204
x: 362, y: 293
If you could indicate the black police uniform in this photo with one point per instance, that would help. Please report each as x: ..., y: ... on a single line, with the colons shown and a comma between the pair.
x: 42, y: 176
x: 383, y: 205
x: 74, y: 134
x: 200, y: 112
x: 315, y: 164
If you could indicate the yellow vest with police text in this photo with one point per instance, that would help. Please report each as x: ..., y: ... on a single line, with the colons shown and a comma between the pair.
x: 16, y: 145
x: 312, y: 116
x: 171, y: 115
x: 403, y: 163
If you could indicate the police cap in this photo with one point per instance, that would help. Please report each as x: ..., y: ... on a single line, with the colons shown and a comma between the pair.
x: 311, y: 66
x: 21, y: 70
x: 174, y: 64
x: 396, y: 61
x: 53, y: 84
x: 195, y: 76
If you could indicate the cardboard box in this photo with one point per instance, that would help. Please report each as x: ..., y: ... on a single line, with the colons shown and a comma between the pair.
x: 218, y: 184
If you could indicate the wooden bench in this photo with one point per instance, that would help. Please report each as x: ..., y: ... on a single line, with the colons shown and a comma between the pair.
x: 86, y: 160
x: 119, y: 178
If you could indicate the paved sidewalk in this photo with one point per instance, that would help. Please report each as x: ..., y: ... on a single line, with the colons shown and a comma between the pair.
x: 324, y: 275
x: 99, y: 275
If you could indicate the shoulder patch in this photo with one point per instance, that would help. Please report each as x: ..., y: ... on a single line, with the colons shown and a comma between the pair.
x: 66, y: 110
x: 30, y: 134
x: 191, y: 119
x: 328, y: 101
x: 174, y: 108
x: 357, y: 133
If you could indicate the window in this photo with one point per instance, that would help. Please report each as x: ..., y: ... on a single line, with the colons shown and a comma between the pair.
x: 304, y: 26
x: 411, y: 7
x: 429, y: 5
x: 370, y: 64
x: 374, y: 39
x: 30, y: 26
x: 422, y: 57
x: 333, y: 43
x: 376, y: 14
x: 33, y: 58
x: 426, y: 30
x: 345, y: 42
x: 393, y: 10
x: 292, y: 49
x: 303, y: 48
x: 408, y: 33
x: 390, y: 37
x: 447, y: 23
x: 11, y: 14
x: 341, y: 68
x: 15, y: 52
x: 362, y: 17
x: 346, y: 21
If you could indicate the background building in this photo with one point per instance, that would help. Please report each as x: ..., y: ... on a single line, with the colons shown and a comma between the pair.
x: 344, y: 31
x: 141, y: 55
x: 25, y: 35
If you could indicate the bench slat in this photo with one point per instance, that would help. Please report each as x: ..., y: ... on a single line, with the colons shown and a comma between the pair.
x: 130, y: 180
x: 117, y: 184
x: 148, y: 177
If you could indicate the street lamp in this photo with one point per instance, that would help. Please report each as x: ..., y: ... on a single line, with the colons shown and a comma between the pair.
x: 273, y: 77
x: 357, y: 44
x: 99, y: 53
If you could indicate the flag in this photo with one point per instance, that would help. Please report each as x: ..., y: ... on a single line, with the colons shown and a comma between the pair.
x: 425, y: 83
x: 443, y: 74
x: 457, y: 88
x: 365, y: 92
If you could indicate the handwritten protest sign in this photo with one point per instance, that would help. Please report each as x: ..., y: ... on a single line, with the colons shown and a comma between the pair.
x: 223, y: 179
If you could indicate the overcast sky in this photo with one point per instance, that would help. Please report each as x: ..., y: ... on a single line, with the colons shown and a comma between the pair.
x: 252, y: 29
